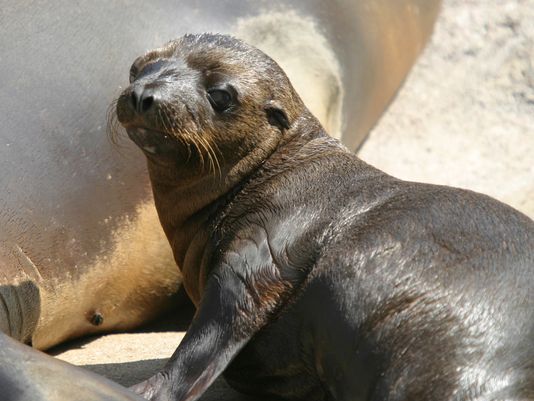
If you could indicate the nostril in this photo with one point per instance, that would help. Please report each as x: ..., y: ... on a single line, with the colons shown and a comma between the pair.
x: 142, y: 99
x: 146, y: 103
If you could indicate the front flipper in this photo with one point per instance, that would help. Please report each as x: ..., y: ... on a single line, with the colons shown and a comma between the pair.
x: 240, y: 295
x: 209, y: 345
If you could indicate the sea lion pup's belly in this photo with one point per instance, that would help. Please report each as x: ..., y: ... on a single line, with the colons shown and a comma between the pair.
x: 315, y: 275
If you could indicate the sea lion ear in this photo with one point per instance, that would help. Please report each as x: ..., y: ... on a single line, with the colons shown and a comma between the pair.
x: 276, y: 115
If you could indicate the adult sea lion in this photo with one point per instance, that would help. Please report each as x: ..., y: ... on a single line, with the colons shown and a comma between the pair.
x: 30, y: 375
x: 315, y: 275
x: 79, y: 233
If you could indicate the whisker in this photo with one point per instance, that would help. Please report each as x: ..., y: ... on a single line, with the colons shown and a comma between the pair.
x: 171, y: 127
x: 199, y: 150
x: 162, y: 119
x: 215, y: 160
x: 216, y: 150
x: 114, y: 130
x: 208, y: 152
x: 211, y: 166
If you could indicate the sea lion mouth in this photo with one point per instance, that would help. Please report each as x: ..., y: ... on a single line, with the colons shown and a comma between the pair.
x: 150, y: 141
x: 159, y: 145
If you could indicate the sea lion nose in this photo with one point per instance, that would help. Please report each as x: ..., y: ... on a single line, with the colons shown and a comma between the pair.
x: 142, y: 98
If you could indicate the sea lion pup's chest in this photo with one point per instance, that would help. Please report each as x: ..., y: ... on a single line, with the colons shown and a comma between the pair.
x: 276, y: 218
x: 278, y: 223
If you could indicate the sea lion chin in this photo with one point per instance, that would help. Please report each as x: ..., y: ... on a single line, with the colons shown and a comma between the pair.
x: 315, y: 275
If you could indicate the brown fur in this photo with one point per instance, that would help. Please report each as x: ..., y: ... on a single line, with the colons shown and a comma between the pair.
x: 209, y: 164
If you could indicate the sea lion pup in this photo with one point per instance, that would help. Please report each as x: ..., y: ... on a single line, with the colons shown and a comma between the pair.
x: 315, y: 275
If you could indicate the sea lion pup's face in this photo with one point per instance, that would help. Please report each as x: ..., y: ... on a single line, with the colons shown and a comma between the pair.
x: 207, y: 104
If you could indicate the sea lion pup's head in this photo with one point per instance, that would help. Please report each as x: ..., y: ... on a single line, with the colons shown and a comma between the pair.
x: 208, y: 104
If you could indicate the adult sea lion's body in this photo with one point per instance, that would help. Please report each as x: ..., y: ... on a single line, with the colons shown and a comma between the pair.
x: 315, y: 275
x: 75, y: 214
x: 30, y: 375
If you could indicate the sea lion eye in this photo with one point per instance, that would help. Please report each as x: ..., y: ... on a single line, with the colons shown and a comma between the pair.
x: 219, y: 99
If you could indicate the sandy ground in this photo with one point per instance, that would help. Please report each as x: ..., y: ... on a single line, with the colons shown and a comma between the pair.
x: 465, y: 117
x: 466, y: 114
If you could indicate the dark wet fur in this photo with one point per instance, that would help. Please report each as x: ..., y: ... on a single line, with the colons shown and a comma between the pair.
x: 315, y: 275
